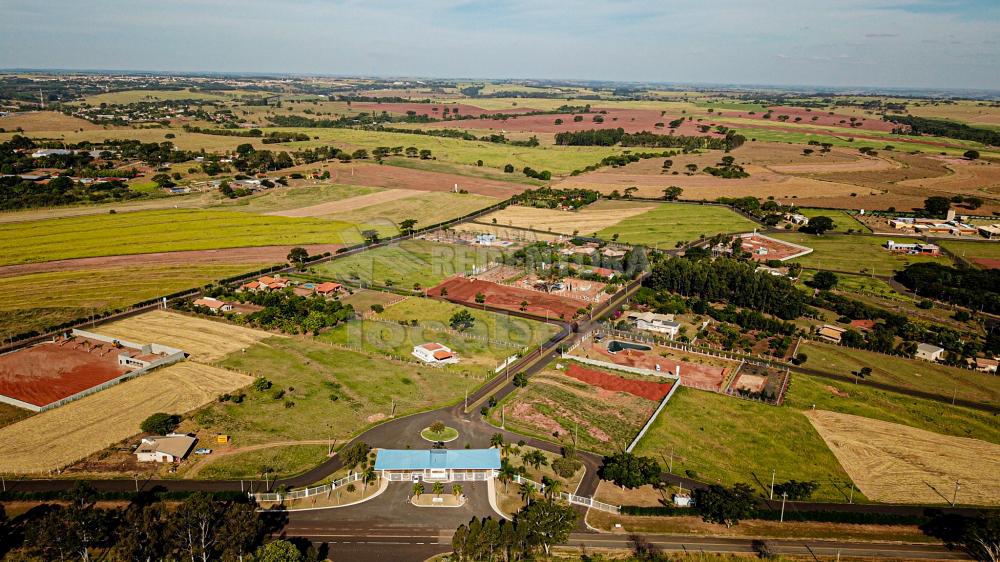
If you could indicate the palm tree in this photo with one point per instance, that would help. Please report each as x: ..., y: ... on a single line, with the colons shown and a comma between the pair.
x: 505, y: 449
x: 506, y: 474
x: 367, y: 477
x: 457, y: 490
x: 526, y: 491
x: 496, y: 440
x: 438, y: 489
x: 418, y: 489
x: 551, y: 488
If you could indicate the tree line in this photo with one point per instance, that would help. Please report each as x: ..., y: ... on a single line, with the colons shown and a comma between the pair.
x: 618, y: 136
x: 944, y: 128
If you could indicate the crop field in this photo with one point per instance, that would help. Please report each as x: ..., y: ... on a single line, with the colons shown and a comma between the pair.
x: 464, y: 171
x: 865, y: 401
x: 557, y: 407
x: 58, y: 437
x: 427, y: 208
x: 278, y: 201
x: 320, y: 391
x: 718, y: 438
x: 842, y: 220
x: 205, y: 341
x: 899, y: 464
x: 408, y: 263
x: 382, y: 198
x: 162, y: 231
x: 670, y: 223
x: 855, y: 254
x: 588, y: 220
x: 946, y: 382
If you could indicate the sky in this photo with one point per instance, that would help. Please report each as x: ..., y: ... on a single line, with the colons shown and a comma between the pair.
x: 950, y: 44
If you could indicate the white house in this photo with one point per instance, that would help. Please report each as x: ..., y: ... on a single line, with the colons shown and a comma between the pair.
x: 434, y: 353
x: 929, y: 352
x: 213, y: 304
x: 653, y: 322
x: 173, y: 447
x: 486, y: 239
x: 682, y: 500
x: 796, y: 218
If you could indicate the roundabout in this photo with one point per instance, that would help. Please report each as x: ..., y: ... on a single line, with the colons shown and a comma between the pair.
x: 439, y: 433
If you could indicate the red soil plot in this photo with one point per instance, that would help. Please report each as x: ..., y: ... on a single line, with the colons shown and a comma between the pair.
x: 464, y: 289
x: 631, y: 120
x: 705, y: 377
x: 764, y: 249
x: 49, y: 372
x: 987, y: 263
x: 435, y: 110
x: 643, y: 389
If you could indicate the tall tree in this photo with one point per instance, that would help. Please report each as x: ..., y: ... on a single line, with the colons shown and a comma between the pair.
x: 727, y: 506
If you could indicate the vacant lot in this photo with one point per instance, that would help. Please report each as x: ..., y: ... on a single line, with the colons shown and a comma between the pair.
x: 899, y: 464
x: 348, y: 204
x: 286, y: 460
x: 916, y: 374
x: 320, y: 392
x: 586, y: 221
x: 204, y: 340
x: 842, y: 220
x: 32, y: 121
x: 557, y: 407
x: 161, y: 231
x: 407, y: 263
x: 717, y: 438
x: 855, y: 254
x: 668, y: 224
x: 427, y: 208
x: 285, y: 200
x: 58, y: 437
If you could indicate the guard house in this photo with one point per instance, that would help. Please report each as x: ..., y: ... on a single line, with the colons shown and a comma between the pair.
x: 439, y: 465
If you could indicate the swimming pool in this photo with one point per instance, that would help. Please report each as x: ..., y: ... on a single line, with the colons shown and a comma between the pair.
x: 614, y: 346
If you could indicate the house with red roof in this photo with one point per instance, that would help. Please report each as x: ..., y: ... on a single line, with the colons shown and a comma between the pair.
x: 327, y: 289
x: 435, y: 354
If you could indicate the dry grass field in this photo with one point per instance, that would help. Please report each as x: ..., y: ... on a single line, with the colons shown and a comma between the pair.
x: 967, y: 177
x: 590, y: 219
x: 349, y: 204
x: 58, y: 437
x: 30, y: 122
x: 504, y: 232
x: 426, y: 207
x: 206, y: 341
x: 894, y: 463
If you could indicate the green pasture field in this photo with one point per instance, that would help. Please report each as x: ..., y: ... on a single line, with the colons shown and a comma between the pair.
x: 283, y: 461
x: 718, y: 438
x: 408, y: 263
x: 23, y: 307
x: 860, y: 284
x: 971, y: 250
x: 133, y: 96
x: 940, y: 380
x: 602, y: 425
x: 462, y: 170
x: 328, y: 392
x: 432, y: 207
x: 746, y: 128
x: 162, y: 231
x: 556, y: 159
x: 671, y: 223
x: 363, y: 299
x: 854, y: 254
x: 287, y: 198
x: 841, y: 219
x: 861, y: 400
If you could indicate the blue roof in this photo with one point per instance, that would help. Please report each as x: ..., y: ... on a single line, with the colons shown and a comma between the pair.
x: 459, y: 459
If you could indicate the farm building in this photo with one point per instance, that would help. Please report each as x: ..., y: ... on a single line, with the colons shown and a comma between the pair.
x: 913, y: 249
x: 435, y: 353
x: 213, y: 305
x: 653, y: 322
x: 990, y: 231
x: 986, y: 365
x: 929, y: 352
x: 173, y: 447
x: 831, y: 333
x: 437, y: 464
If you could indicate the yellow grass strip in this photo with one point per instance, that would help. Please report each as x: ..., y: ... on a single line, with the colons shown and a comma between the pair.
x: 895, y: 463
x: 586, y: 221
x: 58, y: 437
x: 350, y: 203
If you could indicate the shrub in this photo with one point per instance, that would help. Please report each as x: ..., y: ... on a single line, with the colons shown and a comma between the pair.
x: 160, y: 423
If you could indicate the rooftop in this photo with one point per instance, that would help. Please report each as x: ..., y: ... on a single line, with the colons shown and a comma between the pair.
x: 460, y: 459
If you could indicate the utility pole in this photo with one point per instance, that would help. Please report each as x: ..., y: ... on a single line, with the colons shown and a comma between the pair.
x: 773, y: 472
x: 954, y: 498
x: 783, y: 496
x: 851, y: 500
x: 671, y: 460
x: 136, y: 476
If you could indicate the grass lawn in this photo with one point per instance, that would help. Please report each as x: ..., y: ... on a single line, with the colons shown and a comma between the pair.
x: 462, y: 170
x: 447, y: 434
x: 363, y: 299
x: 428, y: 208
x: 852, y: 254
x: 327, y: 392
x: 718, y: 438
x: 913, y: 374
x: 285, y: 461
x: 860, y: 400
x: 669, y: 224
x: 161, y: 231
x: 407, y: 263
x: 861, y: 284
x: 971, y: 250
x: 23, y: 307
x: 841, y: 219
x: 286, y: 198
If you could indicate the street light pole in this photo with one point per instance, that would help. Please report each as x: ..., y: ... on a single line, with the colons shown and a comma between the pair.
x: 773, y: 472
x: 954, y: 498
x: 783, y: 496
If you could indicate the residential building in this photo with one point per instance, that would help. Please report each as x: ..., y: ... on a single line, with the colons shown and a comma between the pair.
x: 863, y: 325
x: 985, y: 365
x: 929, y: 352
x: 439, y: 465
x: 831, y: 333
x: 435, y: 354
x: 917, y: 249
x: 173, y: 447
x: 328, y: 288
x: 214, y: 305
x: 990, y: 231
x: 486, y: 239
x: 653, y: 322
x: 796, y: 218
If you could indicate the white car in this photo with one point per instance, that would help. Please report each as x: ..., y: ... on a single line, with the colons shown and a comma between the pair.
x: 203, y: 451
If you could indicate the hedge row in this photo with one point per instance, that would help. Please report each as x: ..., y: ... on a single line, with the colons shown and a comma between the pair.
x: 160, y: 494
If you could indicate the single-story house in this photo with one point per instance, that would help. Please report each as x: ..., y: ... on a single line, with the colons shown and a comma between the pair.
x: 929, y: 352
x: 913, y: 249
x: 437, y: 464
x: 327, y: 288
x: 796, y: 218
x: 173, y: 447
x: 863, y: 325
x: 831, y: 333
x: 612, y: 253
x: 682, y: 500
x: 266, y: 283
x: 990, y: 231
x: 434, y: 353
x: 603, y: 272
x: 213, y: 304
x: 986, y: 365
x: 486, y: 239
x: 653, y: 322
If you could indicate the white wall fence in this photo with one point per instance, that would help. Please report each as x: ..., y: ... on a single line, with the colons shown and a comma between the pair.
x: 652, y: 418
x: 571, y: 498
x: 470, y: 476
x: 706, y: 352
x: 623, y: 368
x: 324, y: 490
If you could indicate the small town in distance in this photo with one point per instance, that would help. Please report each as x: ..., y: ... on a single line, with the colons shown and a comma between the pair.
x: 264, y: 305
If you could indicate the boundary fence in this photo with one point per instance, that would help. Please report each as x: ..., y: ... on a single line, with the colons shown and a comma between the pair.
x: 652, y: 418
x: 278, y: 497
x: 572, y: 498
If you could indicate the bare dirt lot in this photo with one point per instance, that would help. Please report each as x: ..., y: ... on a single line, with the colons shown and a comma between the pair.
x: 205, y: 340
x: 894, y: 463
x: 51, y: 371
x: 589, y: 219
x: 58, y: 437
x: 464, y: 289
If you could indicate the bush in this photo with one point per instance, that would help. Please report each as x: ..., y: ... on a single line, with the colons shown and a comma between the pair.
x: 261, y: 384
x: 160, y: 423
x: 565, y: 467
